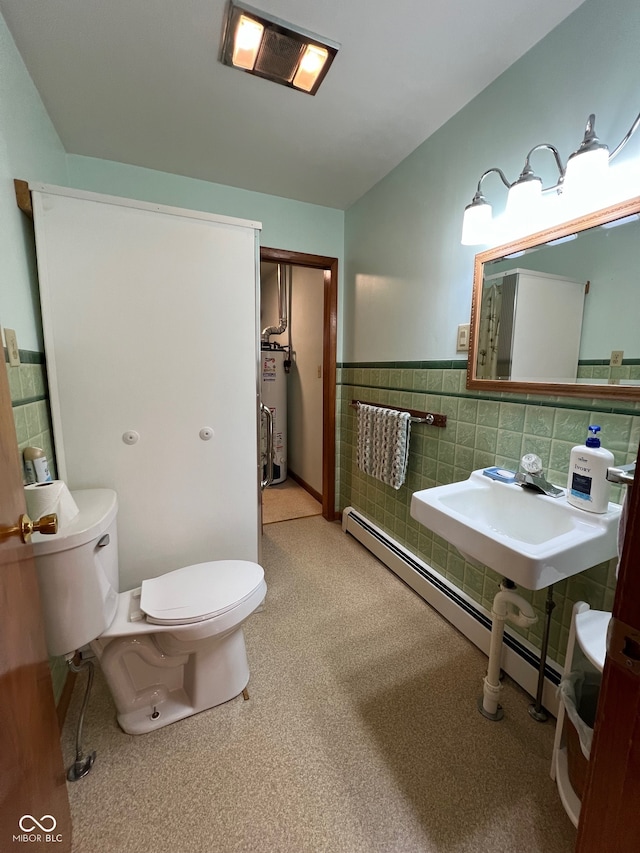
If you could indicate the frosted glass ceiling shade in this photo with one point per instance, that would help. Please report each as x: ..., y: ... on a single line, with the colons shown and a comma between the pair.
x: 311, y: 64
x: 247, y: 43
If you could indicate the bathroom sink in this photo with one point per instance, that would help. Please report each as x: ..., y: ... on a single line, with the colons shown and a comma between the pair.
x: 532, y: 539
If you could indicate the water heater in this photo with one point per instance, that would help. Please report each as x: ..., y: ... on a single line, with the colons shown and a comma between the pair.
x: 274, y: 396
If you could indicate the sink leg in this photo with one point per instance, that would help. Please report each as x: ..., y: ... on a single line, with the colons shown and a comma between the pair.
x: 507, y: 606
x: 535, y: 709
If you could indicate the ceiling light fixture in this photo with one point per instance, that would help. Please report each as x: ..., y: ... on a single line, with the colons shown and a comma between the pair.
x: 271, y: 48
x: 585, y: 174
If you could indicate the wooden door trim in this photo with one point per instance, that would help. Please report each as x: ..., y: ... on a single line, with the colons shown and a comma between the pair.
x: 329, y: 346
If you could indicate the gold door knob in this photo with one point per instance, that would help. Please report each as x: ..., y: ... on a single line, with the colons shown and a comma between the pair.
x: 48, y: 524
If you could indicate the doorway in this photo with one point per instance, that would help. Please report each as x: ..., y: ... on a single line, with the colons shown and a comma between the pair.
x: 329, y: 267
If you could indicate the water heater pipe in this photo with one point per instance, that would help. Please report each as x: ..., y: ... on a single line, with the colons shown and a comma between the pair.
x: 282, y: 306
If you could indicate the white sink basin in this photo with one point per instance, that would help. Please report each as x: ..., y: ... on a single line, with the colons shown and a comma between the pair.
x: 532, y: 539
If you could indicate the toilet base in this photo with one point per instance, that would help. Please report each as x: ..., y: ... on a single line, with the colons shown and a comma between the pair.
x: 175, y: 707
x: 158, y: 679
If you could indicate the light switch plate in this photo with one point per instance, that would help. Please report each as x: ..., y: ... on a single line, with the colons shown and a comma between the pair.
x: 463, y: 338
x: 11, y: 342
x: 616, y: 358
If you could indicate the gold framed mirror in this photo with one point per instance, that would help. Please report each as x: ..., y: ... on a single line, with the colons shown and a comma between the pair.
x: 558, y: 312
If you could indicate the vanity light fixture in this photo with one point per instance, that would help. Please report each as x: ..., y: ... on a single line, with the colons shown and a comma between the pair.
x: 586, y: 171
x: 268, y: 47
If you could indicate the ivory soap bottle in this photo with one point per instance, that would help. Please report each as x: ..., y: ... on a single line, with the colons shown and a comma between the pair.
x: 587, y: 486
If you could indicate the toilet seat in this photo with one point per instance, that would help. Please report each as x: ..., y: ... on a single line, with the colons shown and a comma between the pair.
x: 196, y: 593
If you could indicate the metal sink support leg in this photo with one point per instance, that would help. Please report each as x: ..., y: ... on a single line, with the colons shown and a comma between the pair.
x: 535, y: 709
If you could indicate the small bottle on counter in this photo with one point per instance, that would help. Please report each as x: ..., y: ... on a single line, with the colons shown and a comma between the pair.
x: 36, y: 465
x: 587, y: 486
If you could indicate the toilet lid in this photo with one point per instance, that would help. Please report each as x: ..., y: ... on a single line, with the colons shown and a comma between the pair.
x: 199, y: 592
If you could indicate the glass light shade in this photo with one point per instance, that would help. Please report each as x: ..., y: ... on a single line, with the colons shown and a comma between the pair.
x: 586, y: 176
x: 523, y: 201
x: 311, y: 64
x: 247, y: 42
x: 476, y: 224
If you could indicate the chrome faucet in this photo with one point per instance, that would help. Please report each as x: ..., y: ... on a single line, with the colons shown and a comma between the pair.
x: 622, y: 474
x: 533, y: 478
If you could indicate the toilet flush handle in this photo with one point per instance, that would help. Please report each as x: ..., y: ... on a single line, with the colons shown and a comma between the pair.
x: 48, y: 524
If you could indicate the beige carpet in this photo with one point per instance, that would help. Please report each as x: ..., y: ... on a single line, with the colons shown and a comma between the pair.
x: 288, y: 500
x: 361, y: 734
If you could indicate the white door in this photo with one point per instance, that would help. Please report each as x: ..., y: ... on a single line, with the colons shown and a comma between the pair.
x: 150, y: 317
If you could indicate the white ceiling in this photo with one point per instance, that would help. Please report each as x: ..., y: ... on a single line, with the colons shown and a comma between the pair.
x: 139, y: 81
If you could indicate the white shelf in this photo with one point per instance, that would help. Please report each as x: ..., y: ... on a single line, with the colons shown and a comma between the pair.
x: 568, y: 796
x: 591, y: 634
x: 589, y: 631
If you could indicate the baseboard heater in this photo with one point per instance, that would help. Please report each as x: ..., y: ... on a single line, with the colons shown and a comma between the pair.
x: 520, y: 660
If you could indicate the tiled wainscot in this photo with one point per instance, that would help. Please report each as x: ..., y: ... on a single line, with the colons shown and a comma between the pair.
x: 482, y: 430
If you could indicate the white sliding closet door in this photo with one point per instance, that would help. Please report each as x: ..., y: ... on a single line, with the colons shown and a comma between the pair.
x: 150, y: 319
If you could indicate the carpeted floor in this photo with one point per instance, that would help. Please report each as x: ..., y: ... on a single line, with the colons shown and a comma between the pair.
x: 287, y: 500
x: 361, y: 734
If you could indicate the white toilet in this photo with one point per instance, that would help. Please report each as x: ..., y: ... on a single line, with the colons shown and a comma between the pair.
x: 167, y: 650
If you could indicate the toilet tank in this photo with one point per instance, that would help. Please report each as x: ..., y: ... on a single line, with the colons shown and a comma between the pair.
x: 78, y: 573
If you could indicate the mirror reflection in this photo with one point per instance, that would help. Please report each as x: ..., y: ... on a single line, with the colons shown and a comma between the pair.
x: 562, y: 309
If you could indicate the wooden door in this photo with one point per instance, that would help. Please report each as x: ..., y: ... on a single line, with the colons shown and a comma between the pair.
x: 34, y: 807
x: 610, y: 813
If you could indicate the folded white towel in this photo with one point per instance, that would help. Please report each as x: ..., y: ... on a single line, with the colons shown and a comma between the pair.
x: 383, y: 443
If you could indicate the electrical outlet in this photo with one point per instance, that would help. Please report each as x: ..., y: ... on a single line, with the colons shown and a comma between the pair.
x: 463, y: 338
x: 12, y: 347
x: 616, y: 358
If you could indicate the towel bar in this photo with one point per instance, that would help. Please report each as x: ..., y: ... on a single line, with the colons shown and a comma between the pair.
x: 417, y: 417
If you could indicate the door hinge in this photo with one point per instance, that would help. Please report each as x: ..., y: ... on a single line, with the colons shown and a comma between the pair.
x: 624, y: 646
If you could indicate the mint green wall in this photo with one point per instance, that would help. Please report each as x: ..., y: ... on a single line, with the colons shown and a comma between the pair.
x: 408, y: 285
x: 286, y: 224
x: 408, y: 279
x: 29, y: 150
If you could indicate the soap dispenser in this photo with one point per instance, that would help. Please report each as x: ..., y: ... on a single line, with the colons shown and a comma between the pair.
x: 587, y: 486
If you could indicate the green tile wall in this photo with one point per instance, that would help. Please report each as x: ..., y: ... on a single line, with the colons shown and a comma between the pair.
x: 481, y: 430
x: 602, y: 372
x: 27, y: 386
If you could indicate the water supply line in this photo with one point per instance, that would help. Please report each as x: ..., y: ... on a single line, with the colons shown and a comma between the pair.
x: 82, y: 764
x: 507, y: 606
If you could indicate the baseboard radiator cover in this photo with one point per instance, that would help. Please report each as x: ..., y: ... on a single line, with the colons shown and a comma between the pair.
x: 520, y: 659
